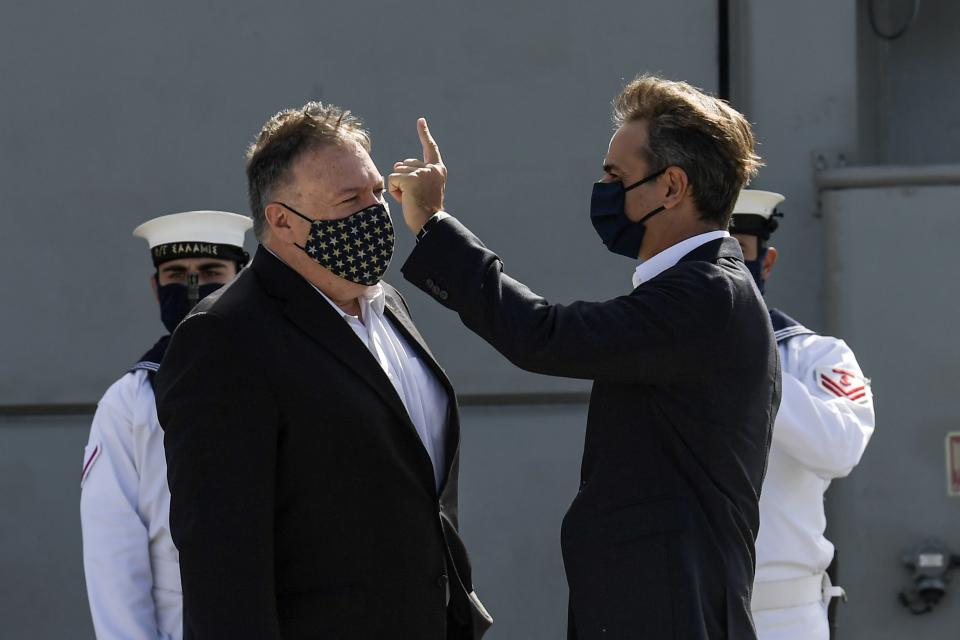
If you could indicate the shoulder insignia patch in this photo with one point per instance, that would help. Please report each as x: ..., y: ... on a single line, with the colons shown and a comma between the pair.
x: 88, y: 463
x: 844, y: 383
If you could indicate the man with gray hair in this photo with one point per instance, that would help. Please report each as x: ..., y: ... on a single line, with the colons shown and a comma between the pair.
x: 312, y: 440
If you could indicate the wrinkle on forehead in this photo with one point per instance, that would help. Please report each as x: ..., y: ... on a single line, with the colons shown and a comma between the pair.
x: 327, y: 171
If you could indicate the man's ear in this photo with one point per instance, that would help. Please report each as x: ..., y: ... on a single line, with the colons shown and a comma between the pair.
x: 768, y: 261
x: 278, y: 220
x: 153, y: 285
x: 677, y: 184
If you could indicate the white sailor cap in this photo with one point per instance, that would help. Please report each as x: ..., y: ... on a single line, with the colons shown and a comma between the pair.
x: 755, y: 213
x: 196, y: 234
x: 758, y: 203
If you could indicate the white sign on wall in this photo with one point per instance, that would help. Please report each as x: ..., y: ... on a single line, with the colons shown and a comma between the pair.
x: 953, y: 463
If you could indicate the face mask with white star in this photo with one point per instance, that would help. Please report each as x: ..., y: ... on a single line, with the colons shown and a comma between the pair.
x: 357, y: 248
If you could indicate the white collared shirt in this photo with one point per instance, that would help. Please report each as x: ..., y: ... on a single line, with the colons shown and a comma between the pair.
x: 425, y: 399
x: 649, y: 269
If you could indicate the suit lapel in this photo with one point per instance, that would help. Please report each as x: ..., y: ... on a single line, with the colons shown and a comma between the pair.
x: 398, y: 316
x: 307, y: 309
x: 335, y: 335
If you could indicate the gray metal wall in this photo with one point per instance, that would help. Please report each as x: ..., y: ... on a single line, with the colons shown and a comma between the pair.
x: 795, y: 76
x: 897, y: 308
x: 42, y: 592
x: 909, y: 85
x: 115, y: 112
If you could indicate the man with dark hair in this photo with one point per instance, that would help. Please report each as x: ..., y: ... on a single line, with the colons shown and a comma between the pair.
x: 312, y: 440
x: 130, y: 562
x: 659, y: 541
x: 825, y: 421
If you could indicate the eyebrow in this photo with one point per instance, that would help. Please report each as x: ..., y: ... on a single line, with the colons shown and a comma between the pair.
x: 357, y: 189
x: 611, y: 168
x: 206, y: 266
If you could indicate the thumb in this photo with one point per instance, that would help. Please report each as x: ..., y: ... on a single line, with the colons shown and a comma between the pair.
x: 431, y: 152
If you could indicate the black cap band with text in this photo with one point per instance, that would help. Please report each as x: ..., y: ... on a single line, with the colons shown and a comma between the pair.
x: 180, y: 250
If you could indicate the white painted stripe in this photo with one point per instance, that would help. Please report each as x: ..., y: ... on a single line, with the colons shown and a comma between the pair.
x: 780, y: 336
x: 791, y: 331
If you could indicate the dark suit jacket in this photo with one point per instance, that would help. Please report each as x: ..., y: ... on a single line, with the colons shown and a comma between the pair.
x: 303, y: 502
x: 659, y: 541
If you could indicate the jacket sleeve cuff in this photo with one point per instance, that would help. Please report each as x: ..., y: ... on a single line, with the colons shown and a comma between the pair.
x: 434, y: 219
x: 441, y: 260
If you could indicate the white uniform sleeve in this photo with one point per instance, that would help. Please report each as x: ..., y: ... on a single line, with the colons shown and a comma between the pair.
x: 116, y: 557
x: 823, y: 431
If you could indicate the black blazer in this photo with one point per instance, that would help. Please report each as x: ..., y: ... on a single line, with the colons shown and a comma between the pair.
x: 303, y: 502
x: 659, y: 541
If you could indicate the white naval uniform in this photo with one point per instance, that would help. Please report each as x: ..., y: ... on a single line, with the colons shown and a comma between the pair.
x: 131, y: 564
x: 820, y: 433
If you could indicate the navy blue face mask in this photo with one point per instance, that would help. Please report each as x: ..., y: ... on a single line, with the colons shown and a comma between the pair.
x: 756, y: 269
x: 176, y: 300
x: 619, y: 233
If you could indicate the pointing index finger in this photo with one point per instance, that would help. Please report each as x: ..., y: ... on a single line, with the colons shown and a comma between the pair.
x: 431, y: 152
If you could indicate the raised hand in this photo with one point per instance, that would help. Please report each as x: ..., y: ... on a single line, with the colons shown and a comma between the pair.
x: 418, y: 184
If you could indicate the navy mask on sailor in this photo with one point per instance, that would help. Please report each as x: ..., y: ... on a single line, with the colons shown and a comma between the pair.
x: 756, y: 269
x: 619, y: 233
x: 357, y: 248
x: 176, y: 300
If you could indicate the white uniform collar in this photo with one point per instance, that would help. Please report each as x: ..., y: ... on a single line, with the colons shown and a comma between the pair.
x: 650, y: 269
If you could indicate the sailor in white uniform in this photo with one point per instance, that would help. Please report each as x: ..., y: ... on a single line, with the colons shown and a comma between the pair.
x: 824, y: 423
x: 130, y: 562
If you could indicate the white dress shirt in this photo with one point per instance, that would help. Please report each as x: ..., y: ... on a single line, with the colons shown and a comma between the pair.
x: 424, y: 398
x: 649, y: 269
